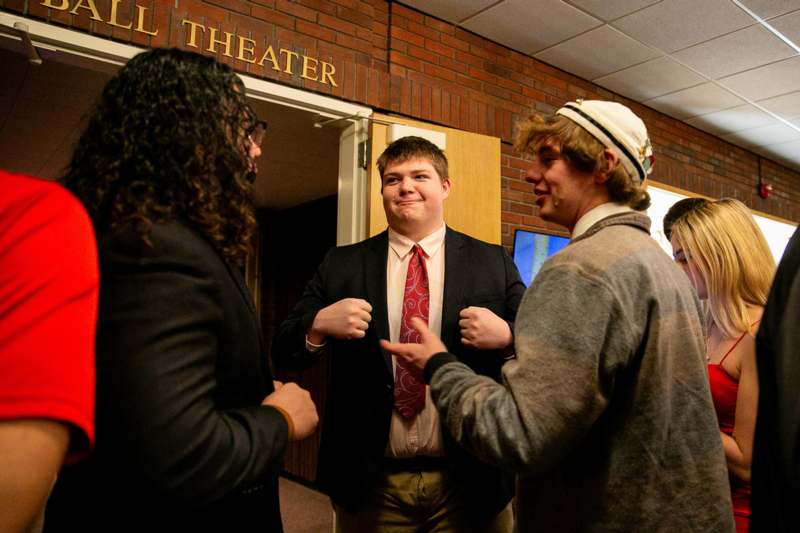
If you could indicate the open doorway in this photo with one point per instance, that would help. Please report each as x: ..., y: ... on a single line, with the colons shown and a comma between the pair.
x: 297, y: 200
x: 42, y: 108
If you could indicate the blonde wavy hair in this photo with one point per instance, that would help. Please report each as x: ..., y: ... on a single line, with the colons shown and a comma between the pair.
x: 583, y: 152
x: 726, y: 246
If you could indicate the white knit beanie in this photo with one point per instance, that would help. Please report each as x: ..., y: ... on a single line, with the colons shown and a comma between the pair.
x: 619, y: 129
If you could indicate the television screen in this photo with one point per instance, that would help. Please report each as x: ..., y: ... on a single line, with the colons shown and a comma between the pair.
x: 531, y: 249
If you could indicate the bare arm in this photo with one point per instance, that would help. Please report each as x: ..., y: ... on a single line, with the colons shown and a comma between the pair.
x: 31, y: 453
x: 739, y: 446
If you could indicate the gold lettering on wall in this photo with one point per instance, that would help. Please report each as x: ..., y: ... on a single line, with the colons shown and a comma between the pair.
x: 308, y: 67
x: 270, y: 54
x: 90, y: 6
x: 213, y: 42
x: 289, y: 56
x: 250, y: 49
x: 140, y: 21
x: 192, y: 41
x: 328, y: 73
x: 209, y: 39
x: 63, y: 6
x: 113, y: 18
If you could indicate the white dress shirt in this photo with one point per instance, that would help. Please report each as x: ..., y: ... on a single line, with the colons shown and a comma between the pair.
x: 420, y: 435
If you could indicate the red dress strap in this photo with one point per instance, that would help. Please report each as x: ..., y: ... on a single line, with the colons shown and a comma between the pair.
x: 735, y: 344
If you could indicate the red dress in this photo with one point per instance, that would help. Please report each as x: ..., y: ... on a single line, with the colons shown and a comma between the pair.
x: 724, y: 390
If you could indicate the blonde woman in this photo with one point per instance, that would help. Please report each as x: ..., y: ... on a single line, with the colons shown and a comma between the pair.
x: 724, y: 253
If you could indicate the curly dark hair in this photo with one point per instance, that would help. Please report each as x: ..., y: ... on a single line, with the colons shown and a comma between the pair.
x: 167, y: 141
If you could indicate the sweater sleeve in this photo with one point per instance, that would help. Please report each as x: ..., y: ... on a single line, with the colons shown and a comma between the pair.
x: 567, y: 355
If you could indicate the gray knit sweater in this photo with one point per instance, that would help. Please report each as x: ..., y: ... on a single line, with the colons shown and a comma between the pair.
x: 605, y: 415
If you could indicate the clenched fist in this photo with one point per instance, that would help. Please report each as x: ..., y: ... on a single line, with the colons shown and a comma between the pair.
x: 296, y: 403
x: 483, y: 330
x: 346, y: 319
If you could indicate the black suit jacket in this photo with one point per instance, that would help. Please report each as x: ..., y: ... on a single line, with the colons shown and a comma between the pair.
x: 182, y: 441
x: 361, y: 390
x: 776, y: 447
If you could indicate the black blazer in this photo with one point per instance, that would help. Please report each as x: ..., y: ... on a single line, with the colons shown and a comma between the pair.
x: 361, y: 391
x: 182, y: 441
x: 776, y: 447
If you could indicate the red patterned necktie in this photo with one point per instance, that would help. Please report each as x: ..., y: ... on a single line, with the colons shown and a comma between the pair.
x: 409, y: 390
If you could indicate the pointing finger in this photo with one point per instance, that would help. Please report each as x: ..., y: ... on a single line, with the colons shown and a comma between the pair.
x: 421, y: 326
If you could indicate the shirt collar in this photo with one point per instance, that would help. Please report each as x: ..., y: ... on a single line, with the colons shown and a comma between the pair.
x: 431, y: 244
x: 596, y: 214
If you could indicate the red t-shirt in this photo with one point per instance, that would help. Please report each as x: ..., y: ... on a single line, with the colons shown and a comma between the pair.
x: 49, y: 283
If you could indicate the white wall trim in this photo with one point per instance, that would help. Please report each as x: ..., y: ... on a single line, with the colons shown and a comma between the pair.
x: 52, y: 37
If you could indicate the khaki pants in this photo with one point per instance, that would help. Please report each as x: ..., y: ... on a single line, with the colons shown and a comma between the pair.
x: 416, y: 502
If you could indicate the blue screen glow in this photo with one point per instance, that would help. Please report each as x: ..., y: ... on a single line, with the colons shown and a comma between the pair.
x: 532, y: 249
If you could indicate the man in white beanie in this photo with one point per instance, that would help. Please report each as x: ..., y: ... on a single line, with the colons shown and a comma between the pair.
x: 605, y: 415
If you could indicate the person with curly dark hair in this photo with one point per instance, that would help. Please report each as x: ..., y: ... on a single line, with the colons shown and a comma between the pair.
x: 190, y: 427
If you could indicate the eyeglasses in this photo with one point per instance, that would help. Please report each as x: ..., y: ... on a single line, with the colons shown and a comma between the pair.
x: 257, y: 132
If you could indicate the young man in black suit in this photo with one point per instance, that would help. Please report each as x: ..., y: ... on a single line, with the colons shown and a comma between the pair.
x: 384, y: 459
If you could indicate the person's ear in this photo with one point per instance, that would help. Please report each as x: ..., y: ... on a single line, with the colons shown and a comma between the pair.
x: 446, y: 186
x: 612, y: 161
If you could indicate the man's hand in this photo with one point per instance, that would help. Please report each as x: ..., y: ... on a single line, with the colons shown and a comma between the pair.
x: 296, y: 403
x: 346, y: 319
x: 483, y: 330
x: 416, y: 354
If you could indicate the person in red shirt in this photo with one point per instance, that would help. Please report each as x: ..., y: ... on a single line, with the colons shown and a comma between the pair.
x: 48, y: 311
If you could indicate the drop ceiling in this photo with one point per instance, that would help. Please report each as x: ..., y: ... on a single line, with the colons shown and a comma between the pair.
x: 728, y: 67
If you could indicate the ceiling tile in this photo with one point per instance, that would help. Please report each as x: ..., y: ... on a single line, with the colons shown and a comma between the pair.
x: 734, y: 119
x: 764, y: 135
x: 597, y: 53
x: 605, y: 10
x: 788, y: 25
x: 735, y: 52
x: 653, y: 78
x: 699, y: 100
x: 786, y: 105
x: 675, y: 24
x: 764, y: 82
x: 450, y: 10
x: 528, y: 29
x: 770, y: 8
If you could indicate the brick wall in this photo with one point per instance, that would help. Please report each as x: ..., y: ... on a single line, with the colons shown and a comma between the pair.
x: 396, y: 59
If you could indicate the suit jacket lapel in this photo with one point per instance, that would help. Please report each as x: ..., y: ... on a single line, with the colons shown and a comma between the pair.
x: 375, y: 271
x: 455, y: 268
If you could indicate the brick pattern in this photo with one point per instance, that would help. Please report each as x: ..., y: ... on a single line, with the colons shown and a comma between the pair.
x: 396, y: 59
